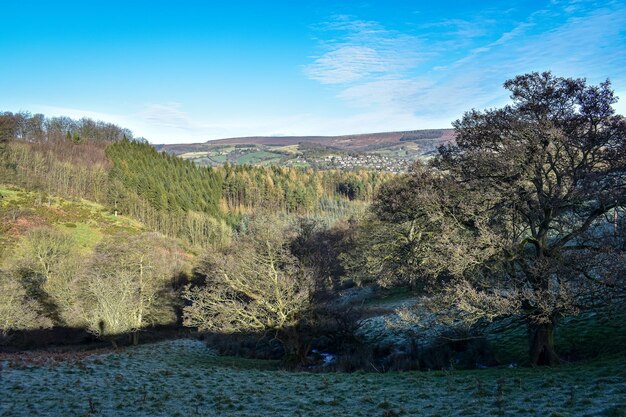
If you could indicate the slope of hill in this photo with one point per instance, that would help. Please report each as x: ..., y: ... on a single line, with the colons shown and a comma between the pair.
x: 388, y: 151
x: 360, y: 142
x: 85, y: 221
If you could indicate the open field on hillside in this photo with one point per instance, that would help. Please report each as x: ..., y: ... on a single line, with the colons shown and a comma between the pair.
x: 85, y: 221
x: 394, y: 158
x: 249, y: 155
x: 183, y: 378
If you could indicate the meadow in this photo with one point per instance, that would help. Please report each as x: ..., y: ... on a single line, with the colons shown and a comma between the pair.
x: 185, y: 378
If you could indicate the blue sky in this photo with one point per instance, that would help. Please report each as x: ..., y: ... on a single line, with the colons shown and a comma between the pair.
x: 191, y: 71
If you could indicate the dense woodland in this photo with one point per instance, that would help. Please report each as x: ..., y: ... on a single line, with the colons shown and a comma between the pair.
x: 518, y: 223
x: 201, y: 205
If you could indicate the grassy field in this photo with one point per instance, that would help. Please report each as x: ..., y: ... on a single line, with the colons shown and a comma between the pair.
x: 86, y: 221
x: 254, y: 155
x: 183, y: 378
x: 588, y: 335
x: 253, y: 158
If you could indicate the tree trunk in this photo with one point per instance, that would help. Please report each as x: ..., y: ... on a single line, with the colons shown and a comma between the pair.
x: 541, y: 343
x: 295, y: 349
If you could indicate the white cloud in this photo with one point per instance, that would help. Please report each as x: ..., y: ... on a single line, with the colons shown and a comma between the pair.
x: 387, y: 92
x: 365, y: 49
x: 74, y: 113
x: 385, y: 72
x: 345, y: 64
x: 391, y: 80
x: 159, y: 123
x: 168, y: 115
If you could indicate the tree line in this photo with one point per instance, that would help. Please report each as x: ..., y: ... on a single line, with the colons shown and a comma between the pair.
x: 39, y: 128
x: 521, y: 218
x: 294, y: 190
x: 126, y: 284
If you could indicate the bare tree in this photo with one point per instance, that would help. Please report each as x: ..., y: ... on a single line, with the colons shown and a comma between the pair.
x: 255, y: 285
x: 17, y: 310
x: 9, y: 124
x: 47, y: 262
x: 129, y: 284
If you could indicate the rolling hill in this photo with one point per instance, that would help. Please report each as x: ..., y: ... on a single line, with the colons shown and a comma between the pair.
x: 386, y: 151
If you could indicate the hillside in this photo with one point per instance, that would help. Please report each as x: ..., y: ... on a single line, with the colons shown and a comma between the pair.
x: 332, y: 268
x: 86, y: 222
x: 69, y: 269
x: 387, y: 151
x: 173, y: 196
x: 360, y: 142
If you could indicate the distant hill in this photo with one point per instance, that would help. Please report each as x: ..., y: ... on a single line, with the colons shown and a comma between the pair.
x: 391, y: 151
x: 360, y: 142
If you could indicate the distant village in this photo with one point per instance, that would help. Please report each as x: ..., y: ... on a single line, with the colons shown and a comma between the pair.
x: 364, y: 161
x: 341, y: 161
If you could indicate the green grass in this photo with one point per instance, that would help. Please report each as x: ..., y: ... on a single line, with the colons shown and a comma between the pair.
x: 184, y: 378
x: 257, y: 157
x: 8, y: 192
x: 87, y: 222
x: 219, y: 158
x: 271, y: 161
x: 391, y: 297
x: 85, y: 236
x: 587, y: 335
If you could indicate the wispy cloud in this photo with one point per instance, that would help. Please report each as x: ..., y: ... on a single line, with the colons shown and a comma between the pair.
x: 444, y: 68
x: 422, y: 74
x: 394, y: 93
x: 168, y: 115
x: 167, y: 121
x: 159, y: 122
x: 363, y: 49
x: 347, y: 63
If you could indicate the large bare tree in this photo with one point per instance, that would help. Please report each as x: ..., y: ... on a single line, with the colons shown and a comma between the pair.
x: 47, y: 263
x: 520, y: 216
x: 129, y: 284
x: 18, y: 311
x: 256, y: 285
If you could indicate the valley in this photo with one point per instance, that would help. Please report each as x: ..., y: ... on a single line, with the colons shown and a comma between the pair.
x: 390, y: 152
